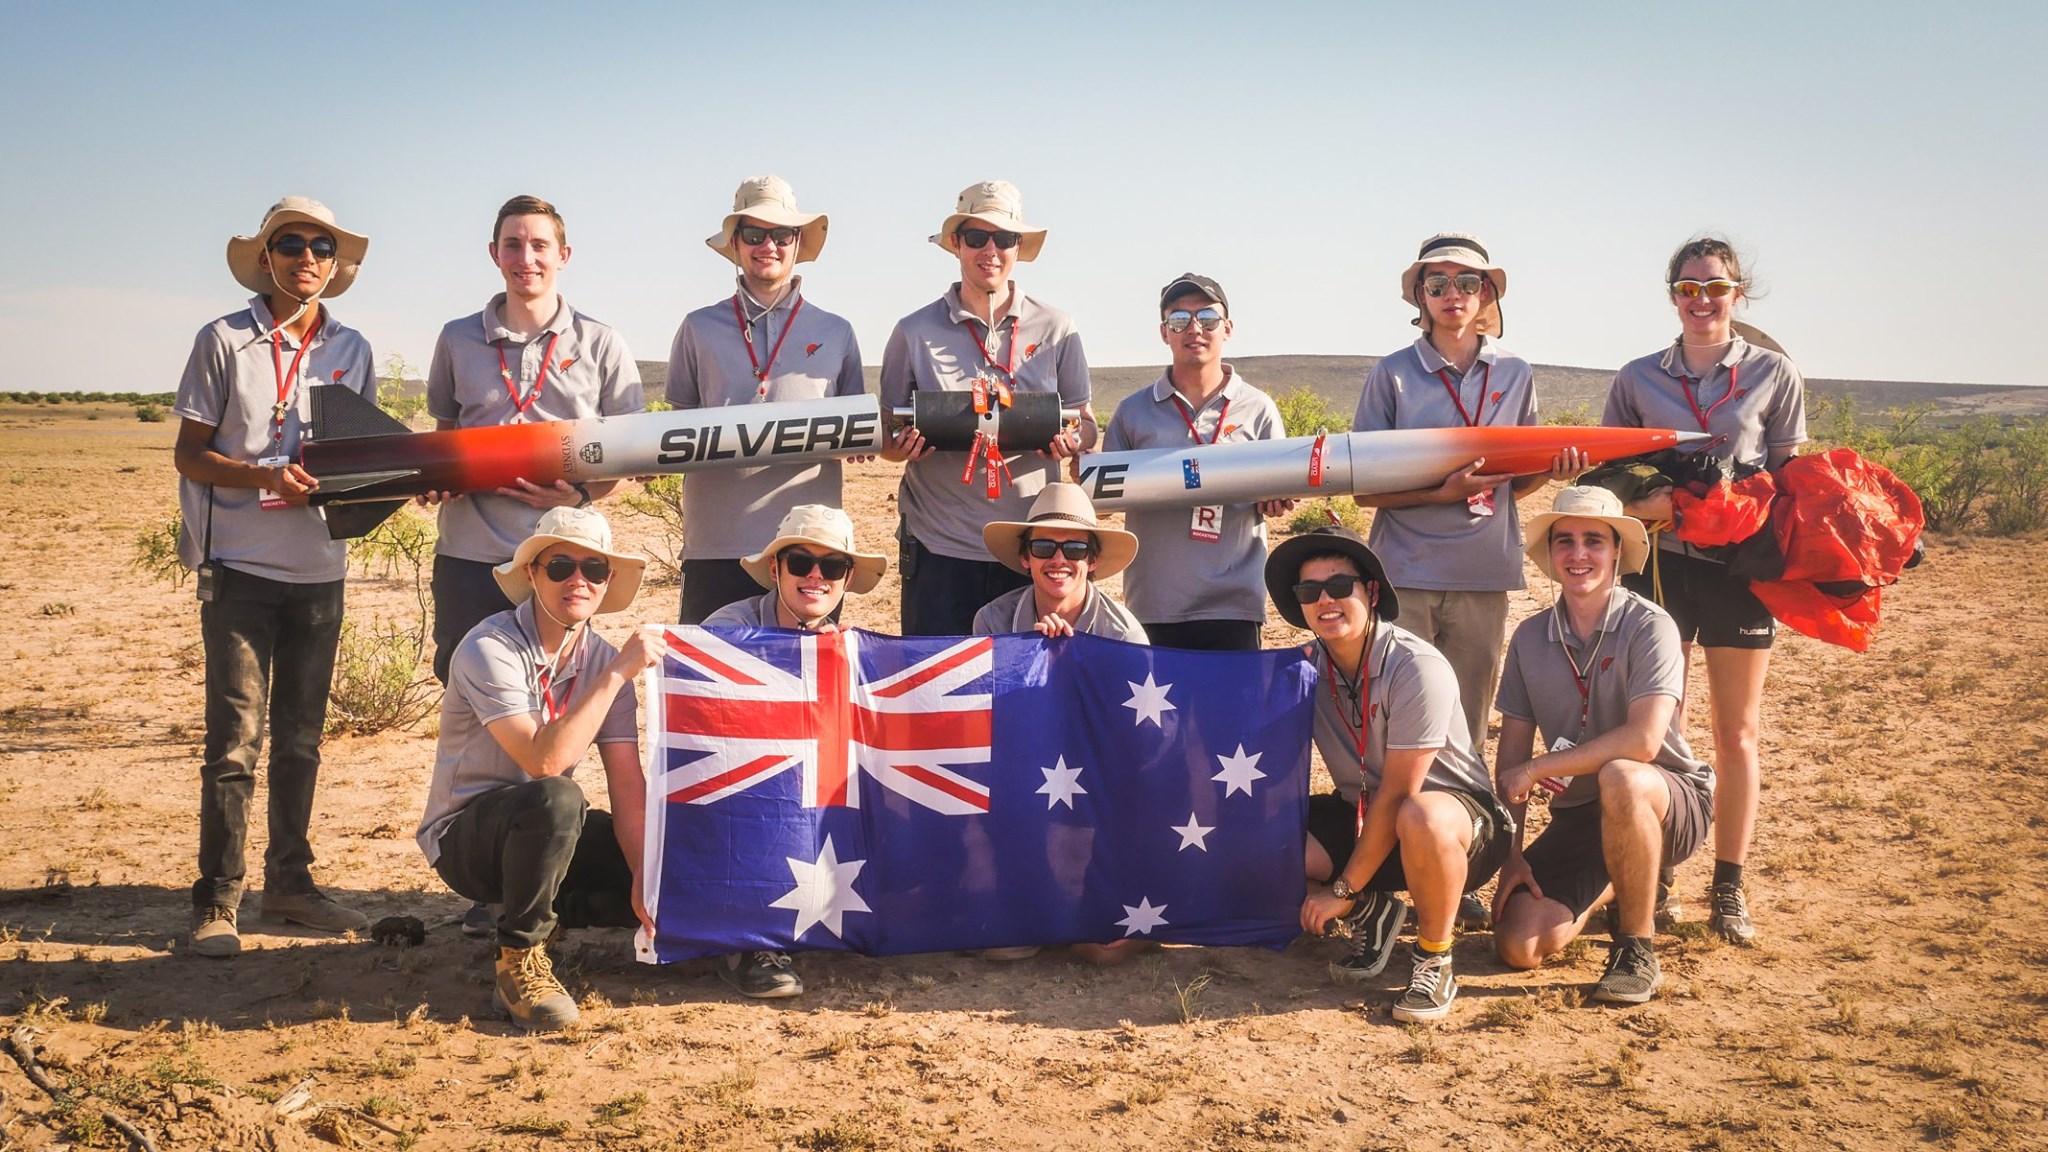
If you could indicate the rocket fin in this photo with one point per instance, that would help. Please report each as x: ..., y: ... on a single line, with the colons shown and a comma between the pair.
x: 348, y: 521
x: 341, y: 414
x: 333, y: 488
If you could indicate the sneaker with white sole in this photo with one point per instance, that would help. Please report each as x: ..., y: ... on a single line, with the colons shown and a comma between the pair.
x: 1432, y: 985
x: 763, y: 975
x: 1632, y: 975
x: 213, y: 931
x: 1372, y: 925
x: 1730, y: 914
x: 480, y: 920
x: 1474, y: 914
x: 1670, y: 909
x: 527, y: 991
x: 312, y: 909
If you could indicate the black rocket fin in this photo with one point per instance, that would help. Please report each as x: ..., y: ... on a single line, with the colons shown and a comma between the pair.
x: 347, y: 521
x: 341, y: 414
x: 333, y: 488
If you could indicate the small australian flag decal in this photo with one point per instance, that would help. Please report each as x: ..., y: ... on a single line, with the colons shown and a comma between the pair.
x: 1191, y: 474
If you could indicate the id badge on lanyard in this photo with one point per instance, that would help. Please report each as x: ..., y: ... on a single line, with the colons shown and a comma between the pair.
x: 1480, y: 503
x: 271, y: 500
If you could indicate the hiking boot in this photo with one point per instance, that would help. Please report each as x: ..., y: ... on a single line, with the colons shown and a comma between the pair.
x: 480, y: 920
x: 527, y: 991
x: 763, y: 975
x: 312, y: 909
x: 1431, y: 988
x: 1632, y: 976
x: 213, y: 931
x: 1373, y: 925
x: 1473, y: 914
x: 1730, y: 914
x: 1670, y: 910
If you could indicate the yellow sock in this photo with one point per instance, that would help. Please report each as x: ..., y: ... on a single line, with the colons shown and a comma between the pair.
x: 1432, y: 946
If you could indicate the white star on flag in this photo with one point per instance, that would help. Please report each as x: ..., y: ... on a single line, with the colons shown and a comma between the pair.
x: 1193, y: 835
x: 824, y: 891
x: 1144, y: 918
x: 1149, y: 702
x: 1061, y: 785
x: 1239, y: 771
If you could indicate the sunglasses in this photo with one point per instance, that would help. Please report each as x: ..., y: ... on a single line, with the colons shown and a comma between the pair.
x: 1309, y: 591
x: 799, y: 563
x: 293, y: 247
x: 1179, y: 319
x: 595, y: 569
x: 1694, y: 289
x: 751, y: 235
x: 1074, y: 550
x: 978, y: 238
x: 1467, y: 283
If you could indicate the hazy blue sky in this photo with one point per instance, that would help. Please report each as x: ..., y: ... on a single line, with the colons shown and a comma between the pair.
x: 1883, y: 162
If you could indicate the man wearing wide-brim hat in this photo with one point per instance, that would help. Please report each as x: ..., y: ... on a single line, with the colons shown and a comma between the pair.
x: 1063, y: 550
x: 1413, y: 809
x: 1598, y: 676
x: 983, y: 337
x: 529, y: 691
x: 765, y: 343
x: 269, y: 578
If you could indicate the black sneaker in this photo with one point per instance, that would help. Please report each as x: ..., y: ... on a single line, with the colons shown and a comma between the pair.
x: 1372, y: 926
x: 1670, y: 910
x: 1474, y: 915
x: 1632, y: 976
x: 479, y: 920
x: 1731, y: 914
x: 1431, y: 988
x: 763, y: 975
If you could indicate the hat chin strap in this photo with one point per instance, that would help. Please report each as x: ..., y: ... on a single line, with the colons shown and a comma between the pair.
x: 304, y: 302
x: 803, y: 623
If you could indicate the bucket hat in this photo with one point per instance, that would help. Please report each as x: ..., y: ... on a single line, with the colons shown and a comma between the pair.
x: 772, y: 201
x: 245, y: 252
x: 998, y: 204
x: 825, y: 527
x: 1466, y: 251
x: 1283, y: 570
x: 1062, y: 505
x: 1589, y: 503
x: 585, y: 527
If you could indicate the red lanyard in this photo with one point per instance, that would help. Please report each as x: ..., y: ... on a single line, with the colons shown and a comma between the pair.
x: 1188, y: 414
x: 1364, y: 713
x: 1471, y: 419
x: 1007, y: 367
x: 550, y: 710
x: 1692, y: 401
x: 747, y: 330
x: 540, y: 380
x: 1583, y: 678
x: 287, y: 381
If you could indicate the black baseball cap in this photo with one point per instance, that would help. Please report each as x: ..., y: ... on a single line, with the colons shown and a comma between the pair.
x: 1190, y: 282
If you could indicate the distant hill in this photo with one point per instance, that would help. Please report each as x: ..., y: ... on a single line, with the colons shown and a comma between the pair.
x: 1561, y: 389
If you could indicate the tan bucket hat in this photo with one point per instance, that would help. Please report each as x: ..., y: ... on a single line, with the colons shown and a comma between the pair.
x: 1589, y: 503
x: 1466, y: 251
x: 826, y: 527
x: 998, y: 204
x: 772, y: 201
x: 244, y: 251
x: 1062, y: 505
x: 585, y: 527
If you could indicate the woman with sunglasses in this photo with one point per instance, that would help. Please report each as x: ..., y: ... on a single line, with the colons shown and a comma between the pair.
x: 1751, y: 402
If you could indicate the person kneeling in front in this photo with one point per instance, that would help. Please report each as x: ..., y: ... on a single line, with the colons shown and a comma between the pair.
x: 529, y: 691
x: 1413, y: 809
x: 807, y: 569
x: 1599, y: 675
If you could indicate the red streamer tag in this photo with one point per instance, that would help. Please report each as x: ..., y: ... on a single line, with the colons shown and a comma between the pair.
x: 1315, y: 460
x: 973, y: 454
x: 980, y: 396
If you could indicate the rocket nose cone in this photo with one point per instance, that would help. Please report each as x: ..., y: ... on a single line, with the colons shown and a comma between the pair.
x: 1692, y: 437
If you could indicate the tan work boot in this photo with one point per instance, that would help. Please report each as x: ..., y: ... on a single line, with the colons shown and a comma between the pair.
x: 528, y: 992
x: 213, y: 932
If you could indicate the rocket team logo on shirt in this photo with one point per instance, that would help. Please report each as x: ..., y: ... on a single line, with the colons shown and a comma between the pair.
x: 1029, y: 349
x: 812, y: 349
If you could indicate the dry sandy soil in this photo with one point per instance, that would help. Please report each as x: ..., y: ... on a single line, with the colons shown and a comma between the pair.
x: 1896, y: 998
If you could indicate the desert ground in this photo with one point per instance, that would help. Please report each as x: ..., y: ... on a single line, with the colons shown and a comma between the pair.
x: 1895, y: 998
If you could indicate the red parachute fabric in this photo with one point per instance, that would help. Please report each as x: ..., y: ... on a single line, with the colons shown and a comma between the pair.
x: 1841, y: 521
x: 1728, y: 513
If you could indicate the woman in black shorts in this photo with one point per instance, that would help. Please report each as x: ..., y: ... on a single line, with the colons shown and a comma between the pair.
x: 1751, y: 402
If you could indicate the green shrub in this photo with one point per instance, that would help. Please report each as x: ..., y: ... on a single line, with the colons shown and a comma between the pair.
x: 149, y: 413
x: 379, y: 676
x: 156, y: 551
x: 1305, y: 412
x: 1312, y: 514
x: 660, y: 499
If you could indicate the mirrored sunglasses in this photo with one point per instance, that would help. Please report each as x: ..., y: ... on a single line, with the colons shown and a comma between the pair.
x: 1694, y: 289
x: 1179, y: 319
x: 1467, y: 283
x: 800, y: 563
x: 978, y: 238
x: 595, y: 569
x: 1309, y: 591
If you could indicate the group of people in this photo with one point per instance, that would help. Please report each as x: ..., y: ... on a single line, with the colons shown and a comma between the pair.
x: 1409, y: 627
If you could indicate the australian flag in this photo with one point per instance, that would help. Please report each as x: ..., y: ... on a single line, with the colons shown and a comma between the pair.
x: 889, y: 795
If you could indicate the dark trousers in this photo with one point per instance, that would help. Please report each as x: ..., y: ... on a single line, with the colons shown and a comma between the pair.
x: 269, y: 655
x: 465, y: 595
x: 709, y: 585
x: 941, y: 594
x: 1205, y: 635
x: 537, y: 849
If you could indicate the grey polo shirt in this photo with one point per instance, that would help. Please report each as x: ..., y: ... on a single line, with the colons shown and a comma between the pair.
x: 1414, y: 704
x: 936, y: 347
x: 1177, y: 577
x: 1634, y: 653
x: 1444, y: 547
x: 729, y: 513
x: 1754, y: 401
x: 230, y: 383
x: 753, y: 612
x: 592, y: 374
x: 496, y: 673
x: 1101, y: 616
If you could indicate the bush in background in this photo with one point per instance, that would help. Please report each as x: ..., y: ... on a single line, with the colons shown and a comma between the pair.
x: 1305, y: 412
x: 660, y: 499
x: 1985, y: 474
x: 156, y: 551
x: 381, y: 680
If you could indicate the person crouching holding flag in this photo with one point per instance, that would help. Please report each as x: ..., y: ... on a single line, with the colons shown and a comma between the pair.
x: 529, y: 691
x: 1599, y: 675
x: 1413, y: 808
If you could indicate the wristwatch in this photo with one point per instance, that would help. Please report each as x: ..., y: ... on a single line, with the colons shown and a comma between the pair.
x: 1342, y: 889
x: 584, y: 491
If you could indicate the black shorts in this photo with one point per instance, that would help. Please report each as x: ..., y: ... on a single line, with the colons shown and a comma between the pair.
x: 1205, y: 635
x: 1333, y: 821
x: 1570, y: 865
x: 1708, y: 603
